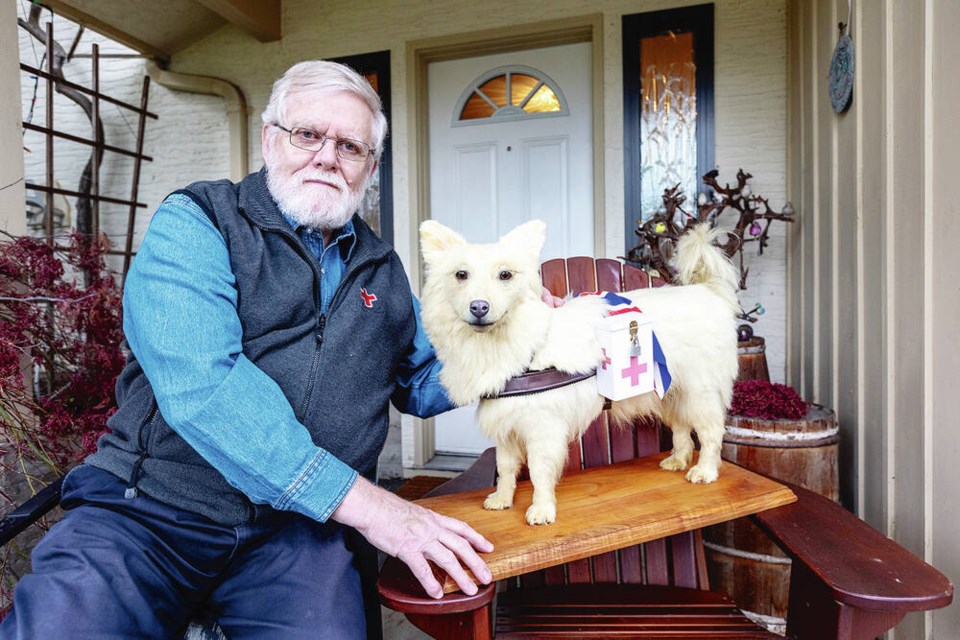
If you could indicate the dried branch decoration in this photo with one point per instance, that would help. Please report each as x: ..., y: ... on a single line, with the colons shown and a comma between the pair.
x: 659, y: 234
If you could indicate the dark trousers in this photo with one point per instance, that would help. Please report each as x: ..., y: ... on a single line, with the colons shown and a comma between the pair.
x: 136, y: 568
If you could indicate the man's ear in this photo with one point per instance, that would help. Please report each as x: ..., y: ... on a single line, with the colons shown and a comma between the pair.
x: 265, y: 147
x: 529, y: 236
x: 436, y: 238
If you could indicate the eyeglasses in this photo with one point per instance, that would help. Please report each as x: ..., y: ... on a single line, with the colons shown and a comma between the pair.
x: 310, y: 140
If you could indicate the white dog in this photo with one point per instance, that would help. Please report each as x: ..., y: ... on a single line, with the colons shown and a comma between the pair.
x: 483, y: 312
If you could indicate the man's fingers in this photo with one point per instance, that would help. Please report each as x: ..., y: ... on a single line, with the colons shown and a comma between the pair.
x: 467, y: 556
x: 461, y: 528
x: 551, y: 300
x: 446, y: 560
x: 421, y: 570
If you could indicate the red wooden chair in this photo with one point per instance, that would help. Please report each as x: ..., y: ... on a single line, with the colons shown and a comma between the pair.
x: 660, y: 589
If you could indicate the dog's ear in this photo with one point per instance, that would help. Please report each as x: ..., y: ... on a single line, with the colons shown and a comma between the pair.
x: 436, y: 238
x: 530, y: 236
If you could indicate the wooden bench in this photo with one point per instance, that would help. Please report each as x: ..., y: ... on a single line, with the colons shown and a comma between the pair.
x: 848, y: 580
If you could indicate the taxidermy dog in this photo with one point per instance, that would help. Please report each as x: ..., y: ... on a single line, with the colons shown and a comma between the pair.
x: 483, y: 312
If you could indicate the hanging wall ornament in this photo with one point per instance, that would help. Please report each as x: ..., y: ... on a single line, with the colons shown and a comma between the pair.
x: 842, y: 68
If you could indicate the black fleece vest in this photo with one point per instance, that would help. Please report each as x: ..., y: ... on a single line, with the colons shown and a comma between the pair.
x: 337, y: 370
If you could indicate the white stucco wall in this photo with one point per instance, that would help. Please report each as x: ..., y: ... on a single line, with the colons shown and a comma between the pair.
x: 11, y: 164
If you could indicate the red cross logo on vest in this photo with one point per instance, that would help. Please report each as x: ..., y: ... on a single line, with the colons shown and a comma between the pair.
x: 606, y: 359
x: 368, y: 298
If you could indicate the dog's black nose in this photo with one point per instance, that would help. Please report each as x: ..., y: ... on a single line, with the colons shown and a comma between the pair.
x: 479, y: 308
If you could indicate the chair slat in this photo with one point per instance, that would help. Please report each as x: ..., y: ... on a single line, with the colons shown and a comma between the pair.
x: 634, y: 278
x: 605, y: 567
x: 631, y: 565
x: 553, y: 274
x: 555, y: 575
x: 596, y: 444
x: 581, y: 275
x: 605, y: 611
x: 649, y: 438
x: 623, y: 443
x: 578, y: 572
x: 685, y: 572
x: 574, y: 457
x: 532, y: 580
x: 655, y: 562
x: 609, y: 277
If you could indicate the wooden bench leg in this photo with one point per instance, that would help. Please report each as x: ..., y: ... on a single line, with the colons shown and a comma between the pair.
x: 814, y: 614
x: 466, y: 625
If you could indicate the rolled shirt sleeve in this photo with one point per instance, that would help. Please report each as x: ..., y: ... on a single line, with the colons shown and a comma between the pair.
x: 419, y: 391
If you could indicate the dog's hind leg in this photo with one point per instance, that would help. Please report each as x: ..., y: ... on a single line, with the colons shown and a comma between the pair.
x: 509, y: 459
x: 682, y: 453
x: 710, y: 430
x: 708, y: 421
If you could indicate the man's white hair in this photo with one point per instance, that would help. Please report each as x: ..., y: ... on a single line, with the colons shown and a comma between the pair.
x: 326, y: 77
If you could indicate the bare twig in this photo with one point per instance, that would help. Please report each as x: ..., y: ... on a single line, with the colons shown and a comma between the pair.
x: 659, y: 234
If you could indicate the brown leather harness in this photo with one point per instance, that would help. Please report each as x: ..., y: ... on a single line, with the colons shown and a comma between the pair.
x: 538, y: 381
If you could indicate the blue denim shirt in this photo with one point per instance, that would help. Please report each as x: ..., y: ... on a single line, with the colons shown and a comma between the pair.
x: 181, y: 323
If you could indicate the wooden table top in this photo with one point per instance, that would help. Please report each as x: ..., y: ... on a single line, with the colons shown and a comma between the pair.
x: 607, y: 508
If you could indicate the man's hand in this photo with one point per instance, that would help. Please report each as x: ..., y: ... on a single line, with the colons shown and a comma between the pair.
x: 415, y: 535
x: 551, y: 300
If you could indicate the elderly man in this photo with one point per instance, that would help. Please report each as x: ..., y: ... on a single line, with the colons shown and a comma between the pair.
x: 269, y: 328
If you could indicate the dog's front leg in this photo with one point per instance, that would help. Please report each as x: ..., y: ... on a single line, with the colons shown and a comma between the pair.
x: 509, y: 459
x: 545, y: 461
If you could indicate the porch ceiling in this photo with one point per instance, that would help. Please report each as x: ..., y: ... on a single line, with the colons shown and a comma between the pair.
x: 160, y: 29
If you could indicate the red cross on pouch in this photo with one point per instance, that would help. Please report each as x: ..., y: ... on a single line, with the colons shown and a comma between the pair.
x: 606, y: 358
x: 368, y: 298
x: 633, y: 371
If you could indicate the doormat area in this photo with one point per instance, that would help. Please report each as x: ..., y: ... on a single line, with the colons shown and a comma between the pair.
x: 418, y: 486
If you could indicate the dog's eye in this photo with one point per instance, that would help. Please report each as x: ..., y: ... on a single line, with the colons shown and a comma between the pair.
x: 506, y: 275
x: 461, y: 275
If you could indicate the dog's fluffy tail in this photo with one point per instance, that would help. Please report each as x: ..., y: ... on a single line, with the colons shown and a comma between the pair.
x: 701, y: 261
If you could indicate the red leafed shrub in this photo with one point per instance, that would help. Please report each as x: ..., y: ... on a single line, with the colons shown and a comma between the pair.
x: 60, y: 354
x: 767, y: 400
x: 60, y: 349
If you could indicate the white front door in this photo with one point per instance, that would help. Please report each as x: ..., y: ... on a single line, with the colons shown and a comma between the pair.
x: 489, y: 174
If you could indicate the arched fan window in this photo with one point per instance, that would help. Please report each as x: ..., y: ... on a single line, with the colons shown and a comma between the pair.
x: 512, y: 93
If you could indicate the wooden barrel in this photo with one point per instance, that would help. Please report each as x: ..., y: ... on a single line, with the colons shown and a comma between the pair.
x: 741, y: 560
x: 752, y: 355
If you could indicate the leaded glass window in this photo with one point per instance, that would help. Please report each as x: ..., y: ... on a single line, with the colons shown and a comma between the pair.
x: 513, y: 92
x: 667, y: 108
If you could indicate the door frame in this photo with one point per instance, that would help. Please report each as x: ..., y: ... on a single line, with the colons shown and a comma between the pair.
x: 419, y: 55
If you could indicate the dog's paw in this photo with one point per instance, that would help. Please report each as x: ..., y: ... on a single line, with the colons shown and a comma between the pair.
x: 496, y: 502
x: 541, y: 514
x: 675, y: 463
x: 702, y: 474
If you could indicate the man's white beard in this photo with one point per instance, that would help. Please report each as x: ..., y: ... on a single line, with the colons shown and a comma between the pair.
x: 318, y: 207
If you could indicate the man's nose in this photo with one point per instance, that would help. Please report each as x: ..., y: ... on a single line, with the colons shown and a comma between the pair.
x: 326, y: 155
